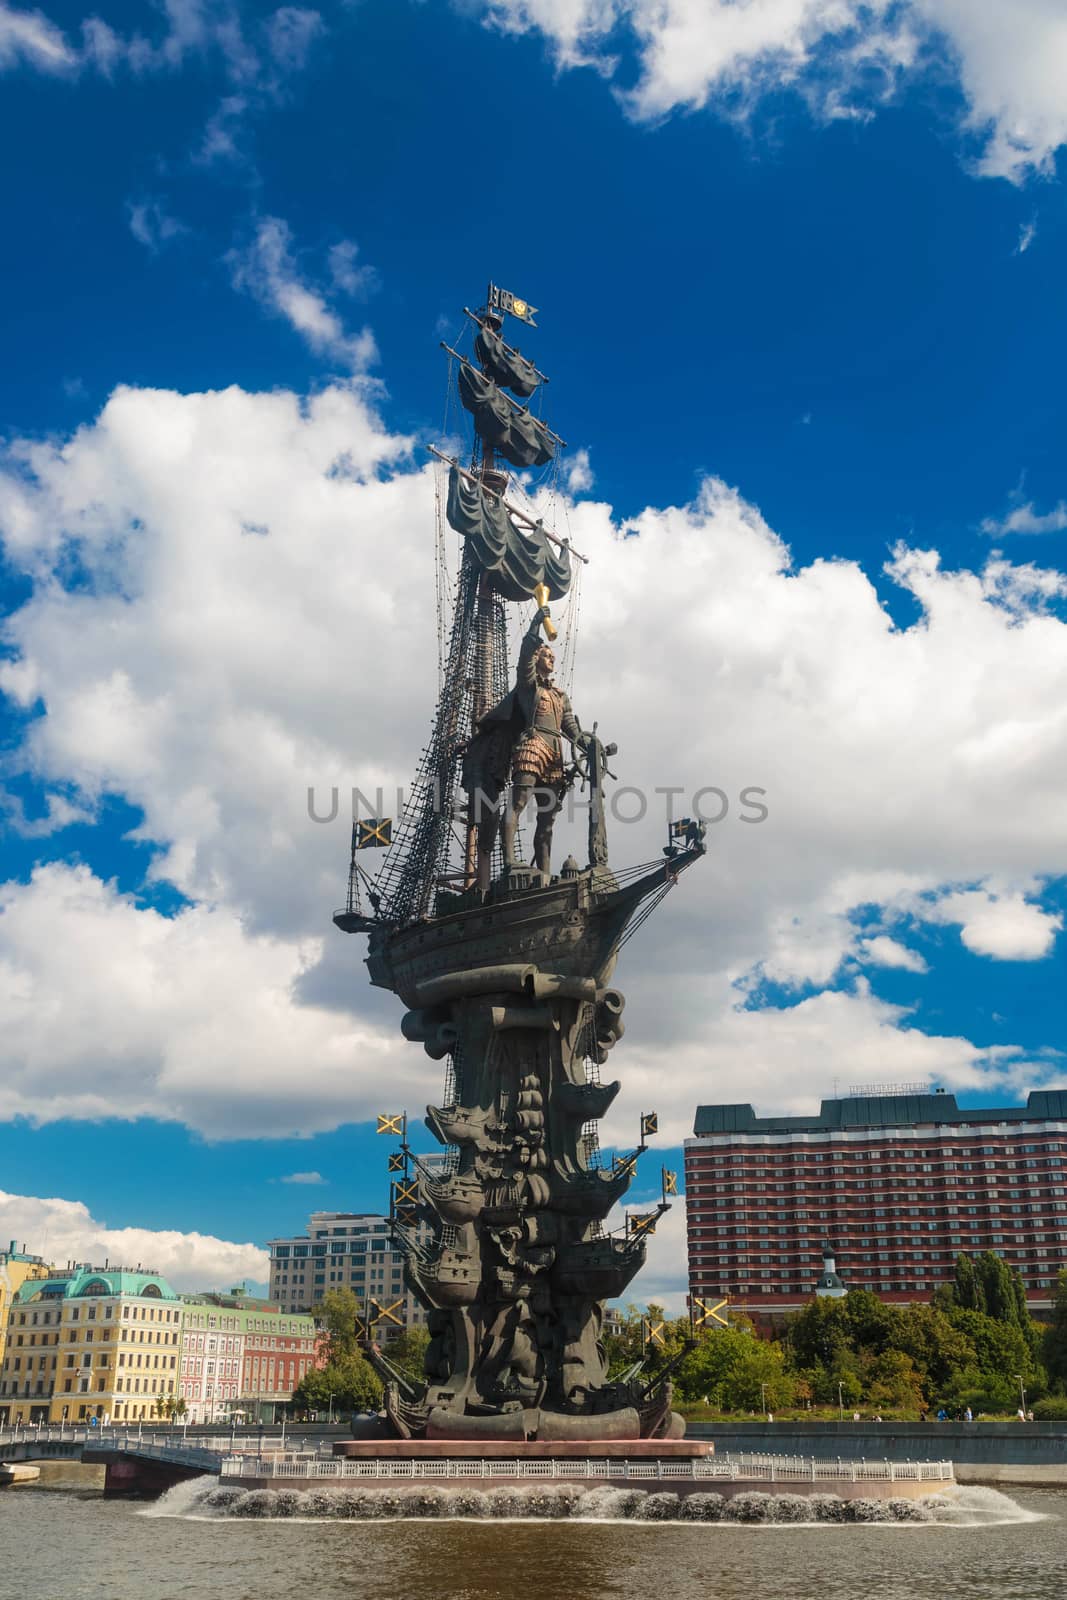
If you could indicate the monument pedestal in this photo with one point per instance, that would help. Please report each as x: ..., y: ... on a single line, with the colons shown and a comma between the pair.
x: 528, y: 1450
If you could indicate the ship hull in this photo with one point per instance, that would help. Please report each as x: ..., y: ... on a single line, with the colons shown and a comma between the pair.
x: 572, y: 928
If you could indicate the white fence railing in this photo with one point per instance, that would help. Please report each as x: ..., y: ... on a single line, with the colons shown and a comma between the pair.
x: 123, y: 1437
x: 763, y: 1469
x: 297, y: 1458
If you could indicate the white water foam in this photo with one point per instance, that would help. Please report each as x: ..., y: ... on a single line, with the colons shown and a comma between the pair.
x: 183, y: 1499
x: 204, y: 1498
x: 975, y: 1507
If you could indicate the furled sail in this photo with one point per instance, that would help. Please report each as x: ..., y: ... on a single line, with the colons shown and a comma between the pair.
x: 505, y: 366
x: 517, y: 560
x: 509, y: 430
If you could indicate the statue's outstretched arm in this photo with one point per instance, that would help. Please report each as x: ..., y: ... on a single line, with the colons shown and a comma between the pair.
x: 526, y: 672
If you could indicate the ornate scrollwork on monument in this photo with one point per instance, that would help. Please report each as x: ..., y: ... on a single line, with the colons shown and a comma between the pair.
x: 516, y: 1263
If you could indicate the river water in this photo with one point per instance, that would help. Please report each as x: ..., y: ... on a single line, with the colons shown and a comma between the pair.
x: 65, y: 1543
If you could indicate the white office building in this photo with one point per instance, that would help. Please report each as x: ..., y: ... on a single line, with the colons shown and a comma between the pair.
x: 344, y: 1250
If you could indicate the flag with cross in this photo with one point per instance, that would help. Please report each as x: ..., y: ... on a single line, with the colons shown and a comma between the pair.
x: 701, y: 1312
x: 372, y: 833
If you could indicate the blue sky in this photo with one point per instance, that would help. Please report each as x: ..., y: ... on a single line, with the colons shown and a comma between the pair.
x: 821, y: 270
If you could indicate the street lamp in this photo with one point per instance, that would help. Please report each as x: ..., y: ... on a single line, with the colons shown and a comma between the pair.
x: 841, y: 1402
x: 1022, y: 1395
x: 329, y: 1419
x: 763, y: 1398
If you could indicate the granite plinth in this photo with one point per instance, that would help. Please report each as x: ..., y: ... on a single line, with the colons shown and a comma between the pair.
x: 528, y: 1450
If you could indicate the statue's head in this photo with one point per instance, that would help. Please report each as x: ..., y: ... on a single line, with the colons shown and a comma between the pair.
x: 545, y: 663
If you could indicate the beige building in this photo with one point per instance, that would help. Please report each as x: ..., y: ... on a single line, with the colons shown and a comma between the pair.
x: 88, y: 1343
x: 15, y: 1268
x: 344, y: 1250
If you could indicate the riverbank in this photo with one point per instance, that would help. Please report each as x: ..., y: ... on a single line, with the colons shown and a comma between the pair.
x: 995, y: 1453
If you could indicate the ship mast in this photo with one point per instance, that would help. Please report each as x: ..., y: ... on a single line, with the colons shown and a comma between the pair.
x: 506, y: 555
x: 483, y: 467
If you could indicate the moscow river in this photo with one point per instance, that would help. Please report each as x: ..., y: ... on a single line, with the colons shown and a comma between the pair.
x: 63, y: 1543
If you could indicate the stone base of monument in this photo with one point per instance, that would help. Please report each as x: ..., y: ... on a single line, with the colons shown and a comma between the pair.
x: 679, y: 1467
x: 524, y: 1450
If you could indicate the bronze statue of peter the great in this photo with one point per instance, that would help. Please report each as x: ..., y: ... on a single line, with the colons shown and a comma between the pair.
x: 521, y: 739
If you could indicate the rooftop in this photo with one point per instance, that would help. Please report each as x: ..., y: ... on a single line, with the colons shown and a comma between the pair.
x: 92, y: 1282
x: 882, y: 1111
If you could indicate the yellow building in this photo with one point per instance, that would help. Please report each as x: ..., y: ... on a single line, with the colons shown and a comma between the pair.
x: 90, y: 1343
x: 16, y: 1267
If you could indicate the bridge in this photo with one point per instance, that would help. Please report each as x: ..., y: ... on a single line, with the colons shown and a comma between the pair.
x: 147, y: 1462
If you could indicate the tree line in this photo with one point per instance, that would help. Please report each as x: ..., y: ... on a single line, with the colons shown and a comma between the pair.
x: 975, y: 1344
x: 967, y: 1347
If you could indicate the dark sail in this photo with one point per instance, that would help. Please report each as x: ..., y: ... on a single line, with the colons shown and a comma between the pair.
x: 506, y: 367
x: 506, y: 428
x: 517, y: 561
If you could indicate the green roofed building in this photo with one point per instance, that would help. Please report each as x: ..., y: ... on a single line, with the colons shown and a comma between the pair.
x: 91, y: 1343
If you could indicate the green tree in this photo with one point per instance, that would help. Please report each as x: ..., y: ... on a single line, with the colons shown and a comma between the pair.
x: 998, y: 1288
x: 894, y: 1380
x: 349, y: 1383
x: 1002, y: 1349
x: 970, y: 1294
x: 736, y: 1370
x: 338, y: 1318
x: 872, y: 1323
x: 937, y: 1347
x: 343, y: 1371
x: 839, y: 1382
x: 408, y: 1351
x: 1055, y: 1340
x: 821, y: 1334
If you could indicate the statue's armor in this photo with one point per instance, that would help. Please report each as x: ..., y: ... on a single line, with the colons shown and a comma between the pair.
x: 538, y: 755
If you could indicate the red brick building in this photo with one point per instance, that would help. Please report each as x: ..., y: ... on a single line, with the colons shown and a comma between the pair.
x: 897, y: 1184
x: 275, y: 1363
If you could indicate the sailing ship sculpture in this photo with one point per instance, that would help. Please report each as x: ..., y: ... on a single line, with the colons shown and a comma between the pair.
x: 505, y: 968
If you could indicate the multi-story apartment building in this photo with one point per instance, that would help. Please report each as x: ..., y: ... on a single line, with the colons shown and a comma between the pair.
x: 90, y: 1342
x: 349, y: 1250
x: 241, y: 1357
x: 15, y: 1267
x: 897, y: 1184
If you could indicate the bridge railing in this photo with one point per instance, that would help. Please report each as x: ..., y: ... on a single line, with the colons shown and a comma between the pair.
x: 69, y: 1433
x: 176, y: 1454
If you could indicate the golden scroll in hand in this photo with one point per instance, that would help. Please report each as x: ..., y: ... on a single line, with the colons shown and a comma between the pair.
x: 541, y: 596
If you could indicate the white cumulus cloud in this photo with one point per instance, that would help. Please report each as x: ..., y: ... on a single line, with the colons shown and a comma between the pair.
x: 1006, y: 926
x: 267, y: 270
x: 256, y: 49
x: 255, y: 616
x: 845, y: 56
x: 882, y: 951
x: 29, y: 38
x: 64, y: 1230
x: 187, y: 1018
x: 1025, y: 518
